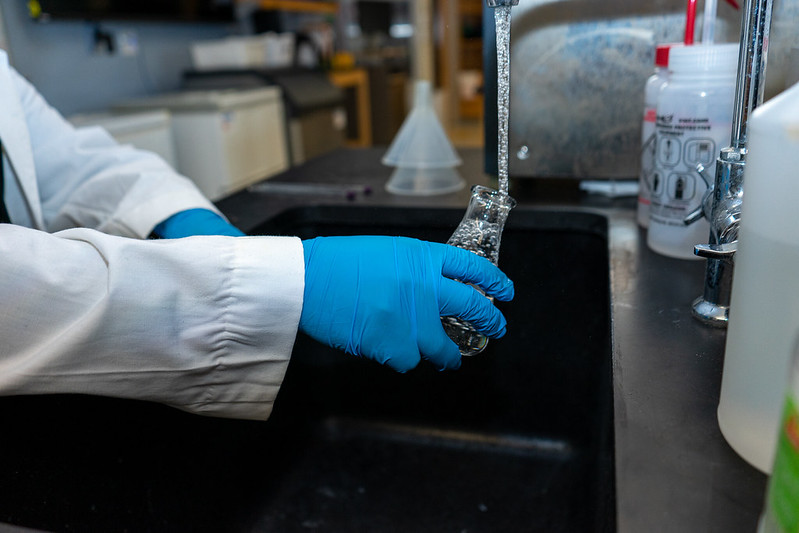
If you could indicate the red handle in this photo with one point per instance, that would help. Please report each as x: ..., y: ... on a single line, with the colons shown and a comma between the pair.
x: 690, y: 18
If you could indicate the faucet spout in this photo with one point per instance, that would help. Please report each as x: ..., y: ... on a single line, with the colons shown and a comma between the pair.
x: 501, y: 3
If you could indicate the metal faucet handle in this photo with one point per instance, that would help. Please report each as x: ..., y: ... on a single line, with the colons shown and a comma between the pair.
x: 704, y: 208
x: 724, y: 251
x: 500, y: 3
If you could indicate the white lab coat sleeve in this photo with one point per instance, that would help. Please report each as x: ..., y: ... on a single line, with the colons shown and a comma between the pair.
x: 87, y: 179
x: 205, y: 324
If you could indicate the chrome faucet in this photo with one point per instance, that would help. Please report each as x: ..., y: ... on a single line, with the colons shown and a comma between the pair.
x: 721, y: 204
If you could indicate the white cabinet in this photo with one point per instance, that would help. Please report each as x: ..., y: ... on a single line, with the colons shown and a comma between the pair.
x: 224, y: 139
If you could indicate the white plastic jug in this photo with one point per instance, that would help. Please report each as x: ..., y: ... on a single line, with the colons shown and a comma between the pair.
x: 764, y: 307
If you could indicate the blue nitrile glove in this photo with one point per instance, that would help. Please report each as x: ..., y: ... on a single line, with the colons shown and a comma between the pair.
x: 195, y: 222
x: 382, y: 297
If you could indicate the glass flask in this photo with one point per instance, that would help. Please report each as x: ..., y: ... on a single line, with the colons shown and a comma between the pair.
x: 480, y: 232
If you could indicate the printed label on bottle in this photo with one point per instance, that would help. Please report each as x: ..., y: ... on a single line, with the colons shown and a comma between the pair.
x: 783, y: 496
x: 682, y: 144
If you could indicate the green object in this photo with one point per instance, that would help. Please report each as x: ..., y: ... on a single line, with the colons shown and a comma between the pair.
x: 783, y: 493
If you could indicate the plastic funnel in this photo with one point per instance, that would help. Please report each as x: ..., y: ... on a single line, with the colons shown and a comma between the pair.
x: 422, y: 152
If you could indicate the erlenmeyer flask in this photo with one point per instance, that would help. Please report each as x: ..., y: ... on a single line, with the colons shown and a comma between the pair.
x: 480, y: 232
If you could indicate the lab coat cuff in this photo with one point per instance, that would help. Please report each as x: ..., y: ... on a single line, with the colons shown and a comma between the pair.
x: 262, y: 322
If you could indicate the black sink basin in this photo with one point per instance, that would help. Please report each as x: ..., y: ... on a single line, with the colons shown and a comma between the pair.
x: 519, y: 439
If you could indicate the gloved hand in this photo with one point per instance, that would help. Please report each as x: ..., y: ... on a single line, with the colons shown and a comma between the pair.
x: 382, y: 297
x: 195, y: 222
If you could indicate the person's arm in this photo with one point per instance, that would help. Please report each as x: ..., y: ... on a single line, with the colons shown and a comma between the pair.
x: 207, y: 324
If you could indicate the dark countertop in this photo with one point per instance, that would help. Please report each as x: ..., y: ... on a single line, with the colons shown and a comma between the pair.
x: 674, y: 470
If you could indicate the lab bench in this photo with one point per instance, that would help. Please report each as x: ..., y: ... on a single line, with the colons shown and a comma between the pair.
x: 674, y: 470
